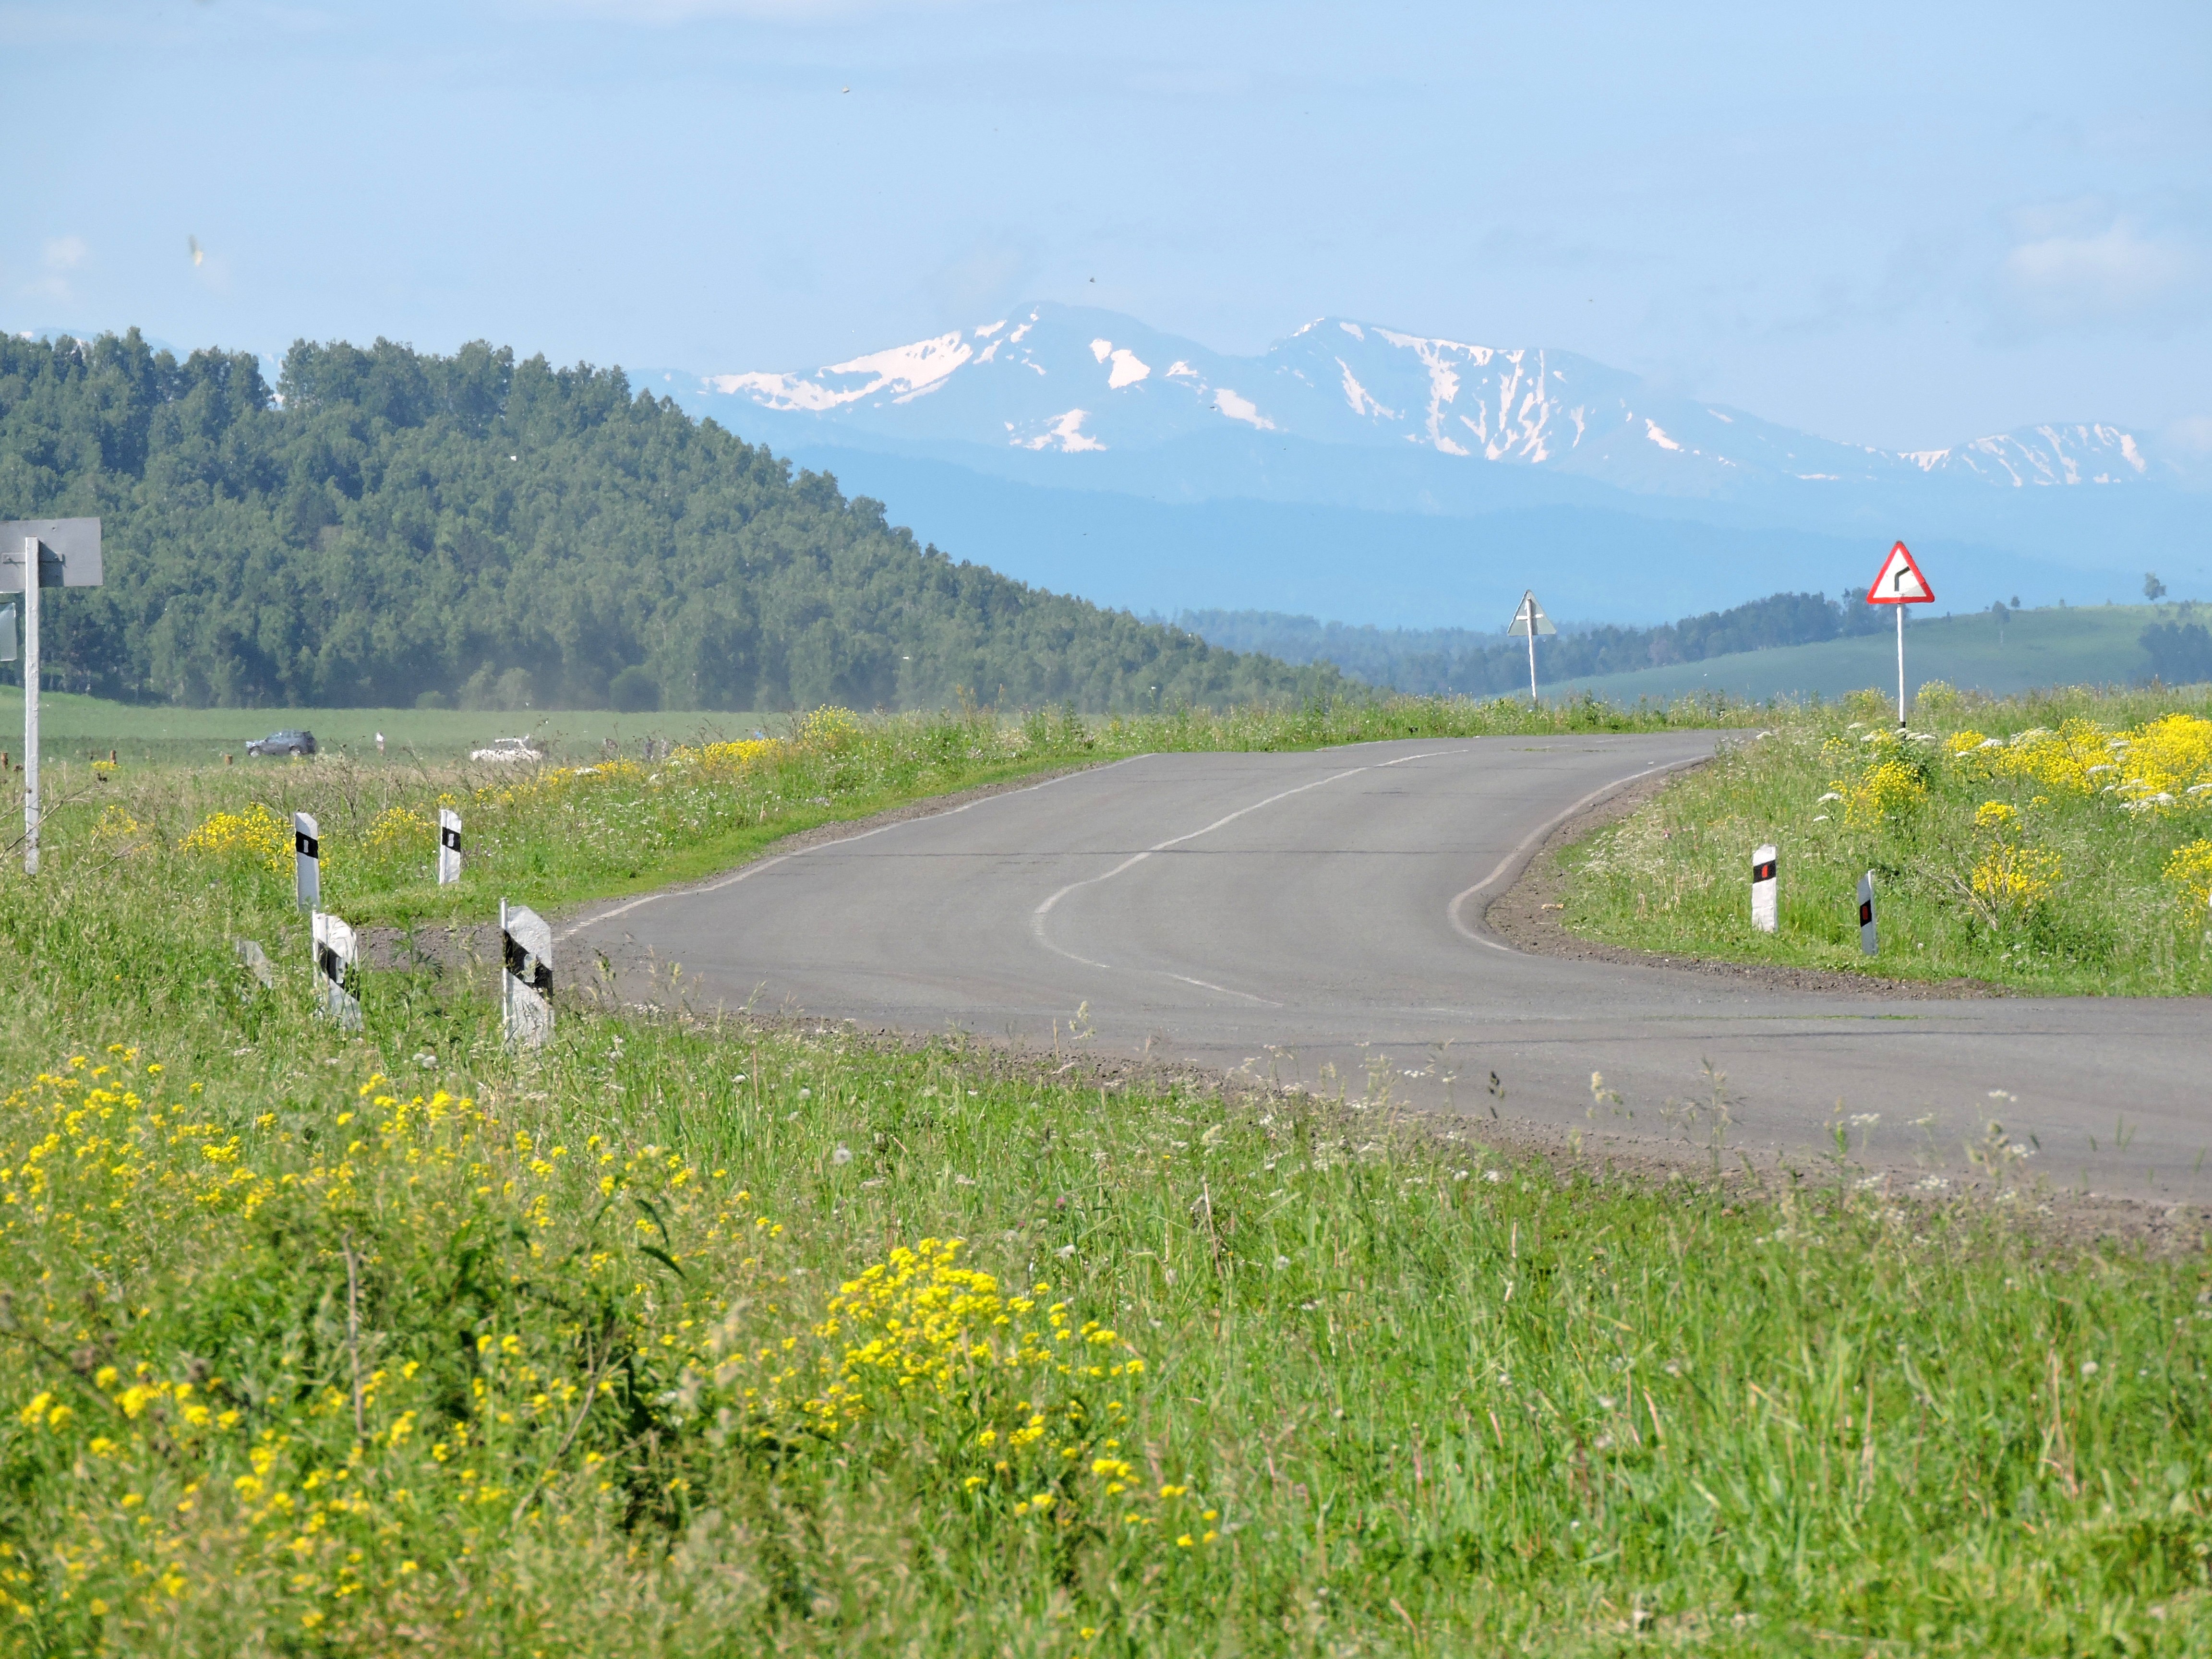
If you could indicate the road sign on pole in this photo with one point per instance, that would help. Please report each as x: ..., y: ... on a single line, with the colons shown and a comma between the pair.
x: 449, y: 846
x: 1900, y: 584
x: 525, y: 940
x: 1530, y: 619
x: 306, y: 860
x: 65, y: 553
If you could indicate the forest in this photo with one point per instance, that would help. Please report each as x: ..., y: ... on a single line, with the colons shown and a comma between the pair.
x: 384, y: 527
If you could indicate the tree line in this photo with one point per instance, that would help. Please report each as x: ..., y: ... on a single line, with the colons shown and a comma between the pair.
x: 387, y: 527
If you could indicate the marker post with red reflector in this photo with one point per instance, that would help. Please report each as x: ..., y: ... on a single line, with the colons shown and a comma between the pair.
x: 1763, y: 885
x: 1866, y: 941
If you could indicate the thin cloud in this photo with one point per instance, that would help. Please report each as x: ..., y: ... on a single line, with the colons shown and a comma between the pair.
x: 2078, y: 268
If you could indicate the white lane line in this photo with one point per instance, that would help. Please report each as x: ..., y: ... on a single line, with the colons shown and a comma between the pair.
x: 1037, y: 915
x: 1535, y: 836
x: 752, y: 870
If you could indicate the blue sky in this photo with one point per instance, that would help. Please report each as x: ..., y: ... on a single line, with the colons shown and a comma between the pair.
x: 1899, y: 225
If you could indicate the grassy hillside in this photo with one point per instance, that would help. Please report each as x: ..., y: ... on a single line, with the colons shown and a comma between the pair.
x: 388, y: 527
x: 2093, y: 645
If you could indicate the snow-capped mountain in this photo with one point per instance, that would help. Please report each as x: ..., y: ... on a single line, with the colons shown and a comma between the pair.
x: 1055, y: 378
x: 1365, y: 473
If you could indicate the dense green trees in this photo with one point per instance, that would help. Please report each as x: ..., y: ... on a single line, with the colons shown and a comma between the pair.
x: 387, y: 527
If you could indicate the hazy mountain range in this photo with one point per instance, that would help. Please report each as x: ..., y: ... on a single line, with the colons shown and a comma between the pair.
x: 1372, y: 475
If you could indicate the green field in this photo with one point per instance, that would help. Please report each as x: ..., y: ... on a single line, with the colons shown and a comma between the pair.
x: 690, y: 1339
x: 2091, y: 646
x: 72, y: 727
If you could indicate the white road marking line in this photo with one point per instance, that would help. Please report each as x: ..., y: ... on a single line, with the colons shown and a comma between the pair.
x: 1535, y: 837
x: 1037, y: 915
x: 752, y: 870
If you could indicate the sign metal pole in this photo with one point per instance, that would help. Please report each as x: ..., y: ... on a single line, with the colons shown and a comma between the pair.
x: 31, y: 551
x: 1900, y: 667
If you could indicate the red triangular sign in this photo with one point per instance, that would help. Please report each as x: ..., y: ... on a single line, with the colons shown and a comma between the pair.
x: 1900, y: 581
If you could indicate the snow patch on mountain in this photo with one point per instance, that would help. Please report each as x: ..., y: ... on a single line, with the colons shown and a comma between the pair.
x: 1065, y: 434
x: 1240, y: 409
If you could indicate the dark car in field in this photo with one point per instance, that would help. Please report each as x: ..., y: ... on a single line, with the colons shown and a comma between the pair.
x: 284, y: 742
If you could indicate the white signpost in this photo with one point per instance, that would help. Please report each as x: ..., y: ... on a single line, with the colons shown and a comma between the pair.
x: 525, y: 941
x: 338, y: 955
x: 1900, y: 584
x: 1763, y: 890
x: 449, y: 846
x: 306, y: 860
x: 1530, y: 619
x: 1866, y: 941
x: 65, y: 553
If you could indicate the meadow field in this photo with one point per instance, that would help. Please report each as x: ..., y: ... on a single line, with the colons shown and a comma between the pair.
x: 2055, y: 842
x: 2059, y: 645
x: 700, y: 1337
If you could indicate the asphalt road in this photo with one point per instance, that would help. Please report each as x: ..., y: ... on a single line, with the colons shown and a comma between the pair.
x: 1317, y: 917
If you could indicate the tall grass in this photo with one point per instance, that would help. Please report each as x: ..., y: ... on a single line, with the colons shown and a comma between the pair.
x: 2058, y: 842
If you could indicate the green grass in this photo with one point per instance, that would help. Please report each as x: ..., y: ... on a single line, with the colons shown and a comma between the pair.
x: 2008, y: 861
x: 324, y: 1346
x: 2093, y: 645
x: 78, y: 728
x: 555, y: 836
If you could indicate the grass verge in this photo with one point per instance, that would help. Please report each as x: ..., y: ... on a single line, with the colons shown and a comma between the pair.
x: 2057, y: 843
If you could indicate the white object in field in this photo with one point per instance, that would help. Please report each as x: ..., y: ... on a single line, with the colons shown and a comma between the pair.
x: 337, y: 958
x: 525, y: 940
x: 509, y: 750
x: 7, y: 634
x: 449, y: 846
x: 36, y: 553
x: 1866, y: 941
x: 306, y: 860
x: 1762, y: 889
x: 255, y: 960
x: 1531, y: 621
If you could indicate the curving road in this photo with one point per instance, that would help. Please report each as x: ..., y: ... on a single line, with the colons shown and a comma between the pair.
x: 1318, y: 916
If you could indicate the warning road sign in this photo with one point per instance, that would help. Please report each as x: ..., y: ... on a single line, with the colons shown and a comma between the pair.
x: 1900, y: 581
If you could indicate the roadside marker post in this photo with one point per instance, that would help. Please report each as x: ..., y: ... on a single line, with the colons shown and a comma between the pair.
x: 338, y: 959
x: 526, y: 979
x: 306, y: 860
x: 1530, y: 619
x: 1901, y: 583
x: 449, y: 846
x: 63, y: 553
x: 1763, y: 886
x: 1866, y: 941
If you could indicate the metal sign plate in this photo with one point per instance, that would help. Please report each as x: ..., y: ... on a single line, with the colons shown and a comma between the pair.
x: 70, y: 555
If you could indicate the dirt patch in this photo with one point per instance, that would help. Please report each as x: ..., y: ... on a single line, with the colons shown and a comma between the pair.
x: 1529, y: 917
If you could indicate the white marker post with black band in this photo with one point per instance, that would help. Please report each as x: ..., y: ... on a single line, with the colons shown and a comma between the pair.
x: 36, y: 553
x: 1763, y: 886
x: 337, y: 958
x: 525, y: 940
x: 1866, y: 941
x: 449, y: 846
x: 306, y: 860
